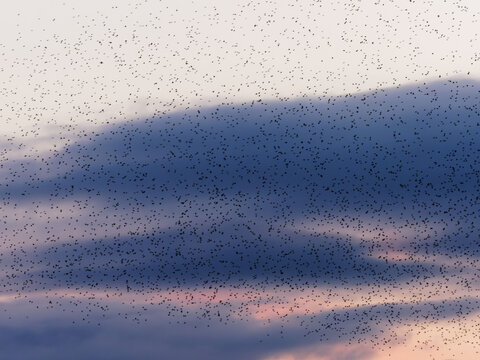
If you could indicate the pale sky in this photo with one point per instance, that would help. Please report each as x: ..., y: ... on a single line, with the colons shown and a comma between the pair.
x: 86, y: 63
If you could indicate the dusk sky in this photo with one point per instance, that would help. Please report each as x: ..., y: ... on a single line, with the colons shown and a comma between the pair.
x: 236, y: 179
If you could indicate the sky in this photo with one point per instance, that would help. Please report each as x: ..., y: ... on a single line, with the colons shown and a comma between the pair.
x: 251, y: 180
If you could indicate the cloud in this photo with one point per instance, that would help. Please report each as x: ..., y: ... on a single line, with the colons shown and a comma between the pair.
x: 78, y: 329
x: 241, y: 214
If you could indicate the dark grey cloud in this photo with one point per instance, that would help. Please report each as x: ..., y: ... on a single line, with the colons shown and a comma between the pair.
x: 224, y: 189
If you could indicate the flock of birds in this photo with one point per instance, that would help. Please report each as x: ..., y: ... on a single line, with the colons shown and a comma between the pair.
x: 241, y: 196
x: 259, y: 200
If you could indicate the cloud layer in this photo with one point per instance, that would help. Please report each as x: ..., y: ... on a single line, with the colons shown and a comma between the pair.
x: 281, y: 229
